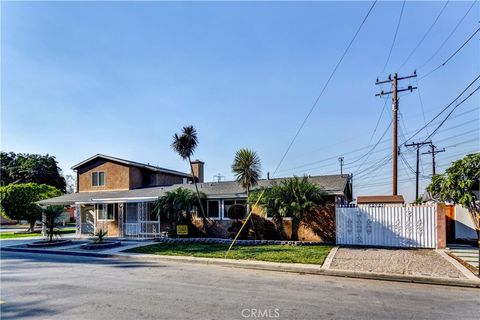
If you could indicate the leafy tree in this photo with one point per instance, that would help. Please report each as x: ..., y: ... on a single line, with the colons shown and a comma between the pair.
x: 24, y: 168
x: 458, y: 185
x: 185, y: 144
x: 18, y: 201
x: 247, y: 169
x: 177, y: 205
x: 293, y: 198
x: 52, y: 213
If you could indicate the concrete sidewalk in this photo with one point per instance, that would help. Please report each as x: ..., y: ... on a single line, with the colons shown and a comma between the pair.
x: 466, y: 253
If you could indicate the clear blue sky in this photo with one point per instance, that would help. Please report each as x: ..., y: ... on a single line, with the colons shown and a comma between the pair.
x: 120, y: 78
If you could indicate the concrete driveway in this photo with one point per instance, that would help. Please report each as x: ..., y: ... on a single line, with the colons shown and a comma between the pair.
x: 36, y: 286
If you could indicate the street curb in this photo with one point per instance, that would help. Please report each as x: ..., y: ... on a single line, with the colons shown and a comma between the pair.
x: 269, y: 266
x: 328, y: 260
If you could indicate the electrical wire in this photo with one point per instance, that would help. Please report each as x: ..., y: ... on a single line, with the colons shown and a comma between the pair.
x: 425, y: 35
x: 324, y: 88
x: 449, y: 36
x: 443, y: 110
x: 394, y: 36
x: 450, y: 113
x: 451, y: 56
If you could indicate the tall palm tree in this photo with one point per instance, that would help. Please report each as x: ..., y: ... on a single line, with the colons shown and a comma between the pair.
x: 185, y: 144
x: 247, y: 169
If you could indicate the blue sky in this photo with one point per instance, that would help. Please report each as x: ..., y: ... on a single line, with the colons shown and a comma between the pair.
x: 120, y: 78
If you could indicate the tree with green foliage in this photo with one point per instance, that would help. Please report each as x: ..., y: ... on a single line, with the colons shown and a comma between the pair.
x: 458, y: 185
x: 18, y: 201
x: 52, y: 213
x: 177, y: 205
x: 25, y: 168
x: 293, y: 197
x: 185, y: 144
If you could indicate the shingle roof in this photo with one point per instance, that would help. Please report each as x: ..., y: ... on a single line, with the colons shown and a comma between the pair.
x: 131, y: 163
x: 332, y: 184
x: 380, y: 199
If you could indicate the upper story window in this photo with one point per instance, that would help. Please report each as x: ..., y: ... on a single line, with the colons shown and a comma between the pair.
x: 98, y: 179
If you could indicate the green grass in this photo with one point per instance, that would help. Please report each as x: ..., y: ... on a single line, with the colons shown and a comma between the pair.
x: 273, y: 253
x: 13, y: 235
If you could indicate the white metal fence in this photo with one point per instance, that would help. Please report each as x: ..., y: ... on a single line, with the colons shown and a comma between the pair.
x: 388, y: 226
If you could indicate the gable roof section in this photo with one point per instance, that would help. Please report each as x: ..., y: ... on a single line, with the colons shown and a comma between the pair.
x: 131, y: 163
x: 332, y: 184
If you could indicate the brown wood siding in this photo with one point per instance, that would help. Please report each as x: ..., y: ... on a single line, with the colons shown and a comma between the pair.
x: 116, y: 176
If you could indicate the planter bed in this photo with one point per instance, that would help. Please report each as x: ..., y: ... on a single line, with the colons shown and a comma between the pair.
x: 102, y: 245
x: 48, y: 244
x: 242, y: 242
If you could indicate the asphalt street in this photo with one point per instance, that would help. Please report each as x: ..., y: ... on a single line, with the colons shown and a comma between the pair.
x: 39, y: 286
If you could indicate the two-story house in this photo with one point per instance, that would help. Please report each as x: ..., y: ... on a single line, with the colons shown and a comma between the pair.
x: 118, y: 195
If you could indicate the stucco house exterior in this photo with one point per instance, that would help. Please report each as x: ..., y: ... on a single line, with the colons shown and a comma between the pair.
x: 118, y: 195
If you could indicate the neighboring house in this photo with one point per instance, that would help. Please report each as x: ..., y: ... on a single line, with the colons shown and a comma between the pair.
x: 118, y: 195
x: 380, y: 200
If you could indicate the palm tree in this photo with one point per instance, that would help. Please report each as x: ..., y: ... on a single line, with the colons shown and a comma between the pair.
x: 185, y: 144
x: 247, y: 169
x: 270, y: 202
x: 298, y: 196
x: 52, y: 213
x: 177, y: 205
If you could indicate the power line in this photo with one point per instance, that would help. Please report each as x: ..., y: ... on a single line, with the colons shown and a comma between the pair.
x: 324, y: 88
x: 293, y: 169
x: 448, y: 115
x: 451, y: 56
x: 449, y: 36
x: 443, y: 110
x: 395, y: 36
x: 425, y: 35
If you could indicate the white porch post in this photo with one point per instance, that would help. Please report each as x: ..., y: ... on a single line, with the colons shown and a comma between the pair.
x: 78, y: 221
x: 120, y: 220
x: 94, y: 218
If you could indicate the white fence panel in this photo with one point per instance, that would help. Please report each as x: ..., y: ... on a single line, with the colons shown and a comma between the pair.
x: 387, y: 226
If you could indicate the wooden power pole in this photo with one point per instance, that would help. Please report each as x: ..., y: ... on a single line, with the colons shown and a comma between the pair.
x: 433, y: 152
x: 395, y: 92
x: 417, y: 172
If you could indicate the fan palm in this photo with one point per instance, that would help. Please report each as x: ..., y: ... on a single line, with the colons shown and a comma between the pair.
x: 297, y: 196
x: 247, y: 169
x: 177, y: 205
x: 51, y: 213
x: 184, y: 144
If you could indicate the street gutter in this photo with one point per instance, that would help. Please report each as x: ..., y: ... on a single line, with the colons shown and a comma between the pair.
x: 267, y: 266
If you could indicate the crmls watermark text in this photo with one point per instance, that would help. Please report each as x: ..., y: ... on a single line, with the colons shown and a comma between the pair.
x: 254, y: 313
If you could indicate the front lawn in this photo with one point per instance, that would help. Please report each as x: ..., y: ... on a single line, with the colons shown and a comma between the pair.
x: 273, y: 253
x: 13, y: 235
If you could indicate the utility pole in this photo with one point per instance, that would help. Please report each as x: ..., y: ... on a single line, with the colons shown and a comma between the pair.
x: 341, y: 166
x: 417, y: 172
x: 395, y: 92
x: 433, y: 152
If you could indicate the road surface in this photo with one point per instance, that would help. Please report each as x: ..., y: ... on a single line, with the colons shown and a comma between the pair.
x: 36, y: 286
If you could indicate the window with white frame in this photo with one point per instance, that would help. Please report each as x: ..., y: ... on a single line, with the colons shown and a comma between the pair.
x: 107, y: 211
x: 213, y: 209
x: 227, y: 203
x: 98, y: 179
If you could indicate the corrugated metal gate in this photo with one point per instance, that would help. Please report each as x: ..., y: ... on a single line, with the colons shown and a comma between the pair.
x: 388, y: 226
